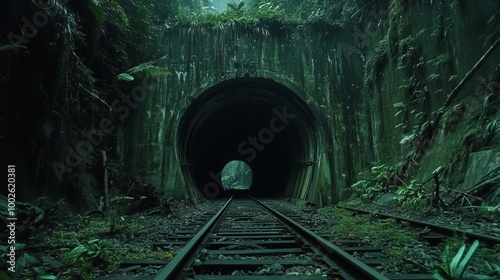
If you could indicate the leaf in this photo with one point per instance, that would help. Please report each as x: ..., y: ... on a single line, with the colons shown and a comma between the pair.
x: 24, y: 260
x: 117, y: 198
x: 96, y: 10
x: 47, y: 277
x: 77, y: 252
x: 125, y: 77
x: 493, y: 17
x: 452, y: 78
x: 465, y: 262
x: 454, y: 262
x: 398, y: 104
x: 433, y: 77
x: 156, y: 71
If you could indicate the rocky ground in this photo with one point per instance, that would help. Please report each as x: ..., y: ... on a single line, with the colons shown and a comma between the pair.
x: 112, y: 238
x: 402, y: 242
x: 115, y: 238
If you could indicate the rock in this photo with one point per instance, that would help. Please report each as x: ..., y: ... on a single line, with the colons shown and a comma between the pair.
x: 264, y: 271
x: 386, y: 198
x: 204, y: 251
x: 131, y: 268
x: 237, y: 273
x: 300, y: 269
x: 197, y: 261
x: 276, y: 268
x: 480, y: 164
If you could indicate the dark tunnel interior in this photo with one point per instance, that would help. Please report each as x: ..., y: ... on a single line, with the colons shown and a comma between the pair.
x: 255, y: 120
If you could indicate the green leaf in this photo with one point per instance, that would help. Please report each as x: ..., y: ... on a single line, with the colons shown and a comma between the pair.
x: 452, y: 78
x: 438, y: 276
x: 19, y: 246
x: 25, y: 260
x: 493, y: 17
x: 454, y: 262
x: 433, y: 77
x: 96, y: 10
x: 155, y: 71
x: 117, y: 198
x: 465, y: 262
x: 77, y: 252
x: 125, y: 77
x: 398, y: 104
x: 47, y: 277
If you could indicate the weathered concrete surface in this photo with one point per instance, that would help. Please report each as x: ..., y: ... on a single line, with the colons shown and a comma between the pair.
x: 351, y: 93
x: 316, y: 70
x: 480, y: 164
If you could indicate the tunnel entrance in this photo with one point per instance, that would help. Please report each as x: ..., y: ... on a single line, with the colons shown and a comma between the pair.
x: 255, y: 120
x: 236, y: 175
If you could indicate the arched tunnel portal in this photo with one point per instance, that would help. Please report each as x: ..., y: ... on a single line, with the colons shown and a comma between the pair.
x: 255, y: 120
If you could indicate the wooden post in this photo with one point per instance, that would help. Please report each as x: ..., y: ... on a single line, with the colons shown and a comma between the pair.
x: 105, y: 183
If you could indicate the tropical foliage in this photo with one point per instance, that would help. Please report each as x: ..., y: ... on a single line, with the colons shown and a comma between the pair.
x: 456, y: 267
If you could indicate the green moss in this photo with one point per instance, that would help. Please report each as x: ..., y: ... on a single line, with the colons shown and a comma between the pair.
x: 108, y: 229
x: 378, y: 62
x: 266, y: 13
x: 393, y: 39
x: 377, y: 230
x: 490, y: 254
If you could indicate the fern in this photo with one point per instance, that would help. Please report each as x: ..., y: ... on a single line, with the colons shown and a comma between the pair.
x: 155, y: 71
x: 457, y: 268
x: 125, y: 77
x: 434, y: 77
x: 147, y: 69
x: 234, y: 7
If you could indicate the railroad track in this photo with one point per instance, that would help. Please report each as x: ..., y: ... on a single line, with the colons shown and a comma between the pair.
x: 437, y: 232
x: 249, y: 240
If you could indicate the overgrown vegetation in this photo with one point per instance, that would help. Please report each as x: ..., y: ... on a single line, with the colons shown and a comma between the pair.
x: 68, y: 72
x: 457, y: 266
x: 23, y: 260
x: 95, y: 243
x: 286, y: 12
x: 371, y: 184
x: 377, y: 230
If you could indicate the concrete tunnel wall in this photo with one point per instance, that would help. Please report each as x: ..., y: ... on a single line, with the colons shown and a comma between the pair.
x: 313, y: 160
x: 255, y: 120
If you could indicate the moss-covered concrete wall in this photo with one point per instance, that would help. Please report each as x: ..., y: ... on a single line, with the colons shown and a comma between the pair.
x: 369, y: 97
x: 304, y: 59
x: 418, y: 56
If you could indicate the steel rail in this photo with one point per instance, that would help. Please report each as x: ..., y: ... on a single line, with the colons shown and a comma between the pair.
x: 436, y: 228
x: 172, y: 269
x: 352, y: 266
